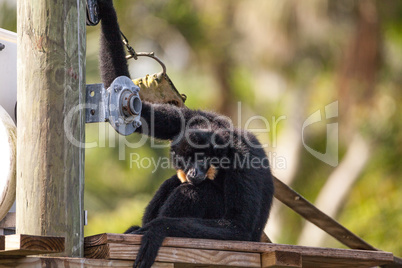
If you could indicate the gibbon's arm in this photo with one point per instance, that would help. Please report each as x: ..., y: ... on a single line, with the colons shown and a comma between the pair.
x: 163, y: 121
x: 152, y: 210
x: 166, y: 121
x: 239, y: 223
x: 112, y: 58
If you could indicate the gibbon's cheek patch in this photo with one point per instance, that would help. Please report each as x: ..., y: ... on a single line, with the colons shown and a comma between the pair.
x: 181, y: 175
x: 211, y: 173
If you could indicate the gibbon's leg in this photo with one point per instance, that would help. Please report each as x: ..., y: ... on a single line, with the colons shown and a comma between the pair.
x: 243, y: 209
x: 155, y: 232
x: 160, y: 197
x: 152, y: 210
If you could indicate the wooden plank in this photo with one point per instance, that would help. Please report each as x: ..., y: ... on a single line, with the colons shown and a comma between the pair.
x: 338, y: 263
x: 300, y: 205
x: 281, y: 259
x: 309, y: 254
x: 178, y: 255
x: 22, y: 245
x: 40, y: 262
x: 51, y: 127
x: 101, y: 239
x: 97, y: 252
x: 202, y: 257
x: 265, y: 238
x: 241, y: 246
x: 397, y: 263
x: 304, y: 208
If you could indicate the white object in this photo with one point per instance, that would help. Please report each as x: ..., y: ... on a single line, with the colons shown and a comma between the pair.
x: 8, y: 72
x: 8, y: 142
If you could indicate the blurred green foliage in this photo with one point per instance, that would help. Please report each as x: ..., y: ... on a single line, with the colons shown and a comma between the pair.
x: 276, y: 58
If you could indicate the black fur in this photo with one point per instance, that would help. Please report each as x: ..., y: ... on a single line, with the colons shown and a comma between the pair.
x: 113, y: 62
x: 233, y: 206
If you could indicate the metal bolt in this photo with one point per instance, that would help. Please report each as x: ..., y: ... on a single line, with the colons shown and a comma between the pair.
x: 117, y: 88
x: 136, y: 124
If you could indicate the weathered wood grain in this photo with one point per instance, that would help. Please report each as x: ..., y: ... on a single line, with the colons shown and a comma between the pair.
x: 275, y: 258
x: 397, y: 263
x: 40, y: 262
x: 170, y: 255
x: 97, y: 252
x: 241, y: 246
x: 281, y: 259
x: 51, y: 83
x: 22, y: 245
x: 178, y: 255
x: 310, y: 255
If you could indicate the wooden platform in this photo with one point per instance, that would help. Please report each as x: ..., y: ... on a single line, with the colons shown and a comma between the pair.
x: 118, y: 250
x: 203, y: 252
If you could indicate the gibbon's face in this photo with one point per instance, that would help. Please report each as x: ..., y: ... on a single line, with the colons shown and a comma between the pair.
x: 191, y: 158
x: 196, y: 172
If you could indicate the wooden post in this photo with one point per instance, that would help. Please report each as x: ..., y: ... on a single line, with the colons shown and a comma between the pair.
x: 51, y: 82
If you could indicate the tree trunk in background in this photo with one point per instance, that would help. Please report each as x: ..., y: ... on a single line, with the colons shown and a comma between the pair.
x: 357, y: 81
x: 358, y: 72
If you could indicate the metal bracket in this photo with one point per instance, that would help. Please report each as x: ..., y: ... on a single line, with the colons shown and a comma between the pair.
x: 92, y: 12
x: 120, y: 105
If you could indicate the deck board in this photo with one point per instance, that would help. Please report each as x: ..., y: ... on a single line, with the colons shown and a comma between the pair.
x: 187, y: 250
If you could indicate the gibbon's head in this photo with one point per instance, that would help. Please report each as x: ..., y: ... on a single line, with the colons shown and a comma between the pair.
x: 196, y: 155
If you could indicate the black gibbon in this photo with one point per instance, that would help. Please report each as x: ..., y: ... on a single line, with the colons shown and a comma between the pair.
x: 223, y: 187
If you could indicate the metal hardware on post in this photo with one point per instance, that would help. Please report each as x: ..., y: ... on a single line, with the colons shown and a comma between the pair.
x: 120, y: 105
x: 135, y: 55
x: 92, y: 13
x: 130, y: 49
x: 85, y: 217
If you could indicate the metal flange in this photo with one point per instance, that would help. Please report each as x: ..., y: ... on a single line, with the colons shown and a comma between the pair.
x: 124, y: 105
x: 120, y: 105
